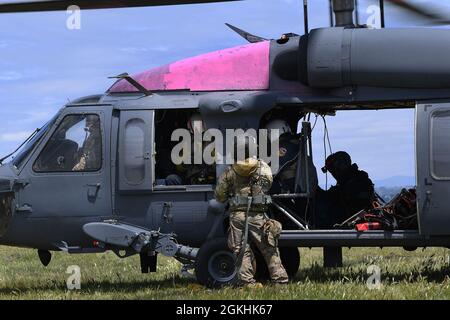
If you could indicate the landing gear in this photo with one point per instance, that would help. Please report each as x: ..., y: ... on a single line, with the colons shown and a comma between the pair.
x: 332, y: 257
x: 148, y: 262
x: 215, y: 264
x: 45, y: 257
x: 290, y: 258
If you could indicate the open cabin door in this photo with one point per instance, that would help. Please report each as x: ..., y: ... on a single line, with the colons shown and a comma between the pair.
x: 433, y: 167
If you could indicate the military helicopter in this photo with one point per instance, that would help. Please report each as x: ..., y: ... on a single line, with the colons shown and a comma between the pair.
x: 54, y: 199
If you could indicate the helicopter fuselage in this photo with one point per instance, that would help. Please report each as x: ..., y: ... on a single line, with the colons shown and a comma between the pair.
x: 233, y: 88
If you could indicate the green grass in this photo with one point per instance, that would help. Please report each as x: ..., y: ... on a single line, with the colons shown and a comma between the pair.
x: 423, y: 274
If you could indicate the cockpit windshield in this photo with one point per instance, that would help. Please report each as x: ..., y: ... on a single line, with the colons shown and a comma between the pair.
x: 30, y: 145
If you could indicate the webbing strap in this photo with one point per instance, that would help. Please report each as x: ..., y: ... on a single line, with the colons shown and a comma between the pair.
x: 244, y: 239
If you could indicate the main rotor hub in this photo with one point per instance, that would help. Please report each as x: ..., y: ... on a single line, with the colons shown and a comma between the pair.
x: 343, y: 12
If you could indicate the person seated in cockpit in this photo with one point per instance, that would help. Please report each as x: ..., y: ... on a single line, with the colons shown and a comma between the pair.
x: 89, y: 154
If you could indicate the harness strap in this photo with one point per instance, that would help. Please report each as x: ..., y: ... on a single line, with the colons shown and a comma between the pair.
x: 243, y: 200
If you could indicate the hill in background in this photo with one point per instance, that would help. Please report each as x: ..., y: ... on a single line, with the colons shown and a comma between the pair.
x: 390, y: 187
x: 396, y: 181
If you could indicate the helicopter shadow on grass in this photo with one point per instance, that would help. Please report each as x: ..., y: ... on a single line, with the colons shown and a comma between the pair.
x: 102, y: 286
x: 320, y: 274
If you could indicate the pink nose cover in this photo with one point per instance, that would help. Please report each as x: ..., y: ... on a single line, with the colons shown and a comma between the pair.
x: 239, y: 68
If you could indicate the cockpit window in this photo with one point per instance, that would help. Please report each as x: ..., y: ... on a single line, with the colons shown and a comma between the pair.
x: 75, y: 146
x: 30, y: 145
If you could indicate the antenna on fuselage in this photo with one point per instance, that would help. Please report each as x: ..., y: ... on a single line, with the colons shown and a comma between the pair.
x: 305, y: 16
x: 134, y: 83
x: 246, y: 35
x: 382, y: 13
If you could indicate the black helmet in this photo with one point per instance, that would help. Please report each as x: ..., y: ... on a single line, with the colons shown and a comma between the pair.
x: 337, y: 162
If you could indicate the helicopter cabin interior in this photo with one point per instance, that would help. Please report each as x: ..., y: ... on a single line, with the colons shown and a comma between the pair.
x: 296, y: 208
x: 167, y: 174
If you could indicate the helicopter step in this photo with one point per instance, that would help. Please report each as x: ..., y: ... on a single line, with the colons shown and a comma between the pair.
x: 139, y: 240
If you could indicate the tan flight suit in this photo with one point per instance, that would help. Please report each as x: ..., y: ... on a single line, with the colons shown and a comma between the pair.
x: 90, y: 158
x: 196, y: 174
x: 251, y: 177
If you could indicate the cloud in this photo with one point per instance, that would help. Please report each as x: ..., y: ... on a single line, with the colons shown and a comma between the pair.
x: 36, y: 117
x: 15, y: 44
x: 160, y: 48
x: 136, y: 50
x: 65, y: 88
x: 14, y: 136
x: 10, y: 76
x: 133, y: 50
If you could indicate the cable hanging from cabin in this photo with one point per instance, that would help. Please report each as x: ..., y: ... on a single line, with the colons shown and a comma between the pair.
x: 315, y: 122
x: 326, y: 137
x: 307, y: 117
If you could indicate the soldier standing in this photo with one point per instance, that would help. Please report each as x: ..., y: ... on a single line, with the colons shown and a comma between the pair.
x: 245, y: 185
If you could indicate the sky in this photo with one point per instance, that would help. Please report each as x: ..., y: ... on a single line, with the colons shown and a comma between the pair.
x: 43, y: 65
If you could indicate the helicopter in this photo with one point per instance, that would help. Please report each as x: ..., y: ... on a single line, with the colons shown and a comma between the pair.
x: 53, y: 197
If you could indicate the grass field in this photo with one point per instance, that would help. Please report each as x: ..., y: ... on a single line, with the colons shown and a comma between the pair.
x: 423, y: 274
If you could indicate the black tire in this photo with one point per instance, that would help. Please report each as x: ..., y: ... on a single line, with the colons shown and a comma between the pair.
x: 290, y: 258
x: 215, y: 264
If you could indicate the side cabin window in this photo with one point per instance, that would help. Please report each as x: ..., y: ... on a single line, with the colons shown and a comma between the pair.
x: 193, y: 170
x: 440, y: 144
x: 75, y: 146
x: 134, y: 151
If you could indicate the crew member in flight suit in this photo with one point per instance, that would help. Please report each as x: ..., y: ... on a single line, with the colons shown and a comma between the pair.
x: 200, y: 173
x: 288, y: 152
x: 353, y: 192
x: 284, y: 180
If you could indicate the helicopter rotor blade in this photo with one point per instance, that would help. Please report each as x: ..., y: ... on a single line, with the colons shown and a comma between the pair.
x: 58, y: 5
x: 421, y: 11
